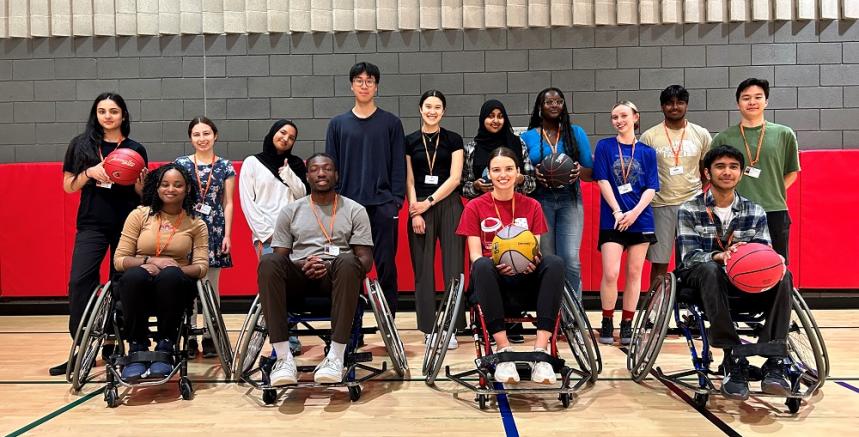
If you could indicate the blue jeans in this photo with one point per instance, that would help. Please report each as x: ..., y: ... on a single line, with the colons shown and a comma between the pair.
x: 565, y: 218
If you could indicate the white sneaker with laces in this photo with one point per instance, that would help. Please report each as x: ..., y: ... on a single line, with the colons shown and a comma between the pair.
x: 329, y: 371
x: 506, y: 373
x: 283, y: 372
x: 451, y: 345
x: 542, y: 373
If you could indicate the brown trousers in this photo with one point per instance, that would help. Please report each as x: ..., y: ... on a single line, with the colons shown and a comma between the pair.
x: 280, y: 281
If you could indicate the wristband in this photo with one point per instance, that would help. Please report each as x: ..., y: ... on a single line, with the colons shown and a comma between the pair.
x: 146, y: 259
x: 85, y: 172
x: 430, y: 200
x: 617, y: 212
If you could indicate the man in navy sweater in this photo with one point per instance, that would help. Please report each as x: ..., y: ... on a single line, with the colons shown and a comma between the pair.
x: 368, y: 145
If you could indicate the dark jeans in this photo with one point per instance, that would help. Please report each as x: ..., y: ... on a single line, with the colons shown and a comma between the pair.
x: 778, y: 223
x: 280, y: 281
x: 90, y: 248
x: 166, y: 296
x: 719, y: 299
x: 383, y: 224
x: 496, y: 292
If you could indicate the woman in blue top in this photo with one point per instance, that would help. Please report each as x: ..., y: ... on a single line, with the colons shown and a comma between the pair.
x: 550, y: 132
x: 626, y: 173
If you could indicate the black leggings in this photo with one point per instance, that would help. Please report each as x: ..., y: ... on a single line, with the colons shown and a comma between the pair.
x: 90, y: 247
x: 496, y: 292
x: 165, y: 296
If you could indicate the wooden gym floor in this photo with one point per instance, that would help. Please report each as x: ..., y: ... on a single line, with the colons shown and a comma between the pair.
x: 34, y: 403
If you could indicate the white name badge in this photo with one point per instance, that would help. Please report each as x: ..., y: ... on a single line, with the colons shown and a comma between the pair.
x: 203, y: 208
x: 625, y: 188
x: 676, y: 170
x: 522, y: 222
x: 331, y: 250
x: 104, y: 184
x: 431, y: 180
x: 752, y: 172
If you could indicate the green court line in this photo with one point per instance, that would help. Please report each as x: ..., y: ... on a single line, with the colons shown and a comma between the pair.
x: 55, y: 413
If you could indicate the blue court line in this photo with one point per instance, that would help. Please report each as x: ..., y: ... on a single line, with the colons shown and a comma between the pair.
x: 506, y: 413
x: 848, y: 386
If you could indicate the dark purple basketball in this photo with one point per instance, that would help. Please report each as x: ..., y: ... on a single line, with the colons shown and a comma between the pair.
x: 556, y: 169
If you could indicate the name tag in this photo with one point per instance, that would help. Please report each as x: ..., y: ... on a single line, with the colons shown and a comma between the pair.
x: 331, y: 250
x: 522, y: 222
x: 625, y: 188
x: 676, y: 170
x: 104, y: 184
x: 203, y: 208
x: 752, y: 172
x: 431, y: 180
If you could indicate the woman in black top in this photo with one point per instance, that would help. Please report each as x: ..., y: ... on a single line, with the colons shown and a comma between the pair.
x: 433, y: 169
x: 104, y: 206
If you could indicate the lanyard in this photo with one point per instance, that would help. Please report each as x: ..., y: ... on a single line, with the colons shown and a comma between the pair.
x: 554, y: 147
x: 158, y: 247
x: 431, y: 162
x: 624, y: 171
x: 676, y: 152
x: 512, y: 209
x: 719, y: 235
x: 760, y: 142
x: 98, y: 149
x: 208, y: 180
x: 319, y: 221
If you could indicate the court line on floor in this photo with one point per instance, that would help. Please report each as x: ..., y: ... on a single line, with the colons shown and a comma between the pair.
x: 506, y: 413
x: 848, y: 386
x: 54, y: 414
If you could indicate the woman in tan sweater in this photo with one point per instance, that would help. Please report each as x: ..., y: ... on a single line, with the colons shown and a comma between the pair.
x: 163, y: 250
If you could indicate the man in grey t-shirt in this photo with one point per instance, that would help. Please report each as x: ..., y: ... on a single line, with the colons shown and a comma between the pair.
x: 322, y: 245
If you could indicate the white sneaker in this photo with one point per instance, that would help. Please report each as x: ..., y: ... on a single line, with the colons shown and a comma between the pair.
x: 542, y: 373
x: 283, y: 372
x: 451, y: 345
x: 329, y: 371
x: 506, y: 373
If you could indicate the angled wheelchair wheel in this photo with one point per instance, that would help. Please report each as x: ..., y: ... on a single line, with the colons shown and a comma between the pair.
x: 443, y: 329
x: 79, y: 332
x: 802, y: 307
x: 590, y: 330
x: 215, y: 325
x: 387, y: 328
x: 650, y: 326
x: 575, y: 327
x: 251, y: 340
x: 94, y: 333
x: 803, y: 343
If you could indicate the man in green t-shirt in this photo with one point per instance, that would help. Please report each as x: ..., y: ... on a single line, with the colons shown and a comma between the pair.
x: 772, y: 158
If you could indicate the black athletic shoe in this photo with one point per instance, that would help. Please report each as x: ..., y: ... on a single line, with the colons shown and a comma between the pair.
x: 514, y: 333
x: 607, y: 331
x: 625, y: 332
x: 58, y: 370
x: 192, y: 348
x: 209, y: 350
x: 774, y: 382
x: 736, y: 383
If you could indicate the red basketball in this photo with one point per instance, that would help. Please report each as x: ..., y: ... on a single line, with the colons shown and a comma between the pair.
x: 755, y: 268
x: 123, y: 166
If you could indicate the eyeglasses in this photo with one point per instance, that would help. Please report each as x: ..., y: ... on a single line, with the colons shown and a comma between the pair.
x: 362, y: 82
x: 554, y: 102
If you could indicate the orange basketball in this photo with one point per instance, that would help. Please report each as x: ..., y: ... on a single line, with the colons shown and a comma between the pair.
x: 123, y: 166
x: 755, y: 268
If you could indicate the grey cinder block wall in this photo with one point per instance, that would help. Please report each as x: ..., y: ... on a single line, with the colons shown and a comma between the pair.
x: 243, y: 82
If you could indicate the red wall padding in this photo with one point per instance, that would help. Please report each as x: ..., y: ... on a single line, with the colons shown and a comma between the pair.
x: 37, y: 221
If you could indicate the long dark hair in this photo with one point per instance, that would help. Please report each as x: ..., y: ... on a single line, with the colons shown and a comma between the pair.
x: 84, y: 147
x: 202, y: 119
x: 564, y: 119
x: 153, y: 180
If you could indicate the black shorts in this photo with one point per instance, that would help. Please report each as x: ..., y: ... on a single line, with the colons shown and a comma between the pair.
x: 624, y: 238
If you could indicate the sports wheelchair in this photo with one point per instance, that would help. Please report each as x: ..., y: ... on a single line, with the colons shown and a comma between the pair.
x: 571, y: 324
x: 102, y: 321
x: 254, y: 332
x: 806, y: 367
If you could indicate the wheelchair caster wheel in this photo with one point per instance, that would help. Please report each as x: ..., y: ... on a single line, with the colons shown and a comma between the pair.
x: 565, y: 399
x: 185, y: 388
x: 354, y: 393
x: 269, y: 396
x: 701, y: 400
x: 482, y: 400
x: 111, y: 396
x: 793, y: 404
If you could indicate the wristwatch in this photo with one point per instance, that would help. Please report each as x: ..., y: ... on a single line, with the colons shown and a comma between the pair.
x: 430, y: 200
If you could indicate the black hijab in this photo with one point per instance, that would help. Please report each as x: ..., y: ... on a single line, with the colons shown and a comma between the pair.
x: 485, y: 142
x: 273, y: 159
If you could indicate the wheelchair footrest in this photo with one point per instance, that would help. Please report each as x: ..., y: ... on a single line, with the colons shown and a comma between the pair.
x: 144, y: 357
x: 524, y: 357
x: 360, y: 357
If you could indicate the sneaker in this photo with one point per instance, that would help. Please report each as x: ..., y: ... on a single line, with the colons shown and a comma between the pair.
x: 506, y: 372
x: 295, y: 345
x: 607, y: 331
x: 192, y: 348
x: 451, y: 345
x: 134, y: 371
x: 283, y: 372
x: 514, y: 333
x: 209, y: 350
x: 774, y: 382
x: 59, y: 369
x: 736, y: 383
x: 542, y: 373
x: 329, y: 371
x: 160, y: 369
x: 625, y: 332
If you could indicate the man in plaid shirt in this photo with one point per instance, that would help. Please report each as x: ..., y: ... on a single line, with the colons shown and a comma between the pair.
x: 710, y: 228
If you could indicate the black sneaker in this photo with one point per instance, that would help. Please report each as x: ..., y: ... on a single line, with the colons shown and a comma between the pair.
x: 774, y: 382
x: 209, y: 350
x: 625, y: 332
x: 59, y: 369
x: 192, y: 348
x: 514, y: 333
x: 607, y: 331
x: 107, y: 350
x: 736, y: 383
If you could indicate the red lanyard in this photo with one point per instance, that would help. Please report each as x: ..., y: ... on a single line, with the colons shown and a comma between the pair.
x: 676, y: 152
x: 158, y: 247
x: 760, y: 143
x: 319, y: 221
x: 624, y: 171
x: 98, y: 149
x: 718, y: 235
x: 208, y: 180
x: 554, y: 147
x: 512, y: 209
x: 431, y: 162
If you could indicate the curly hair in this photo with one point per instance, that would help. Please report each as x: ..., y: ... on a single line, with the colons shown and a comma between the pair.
x: 150, y: 196
x: 563, y: 119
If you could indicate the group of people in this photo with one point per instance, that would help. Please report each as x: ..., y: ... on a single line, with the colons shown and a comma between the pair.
x: 319, y: 225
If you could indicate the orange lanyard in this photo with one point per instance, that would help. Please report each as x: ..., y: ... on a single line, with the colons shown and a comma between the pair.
x: 624, y: 171
x: 719, y: 235
x: 158, y: 247
x: 208, y: 180
x: 512, y: 209
x: 319, y: 221
x: 554, y: 147
x: 760, y: 142
x: 431, y: 162
x: 674, y: 151
x: 101, y: 155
